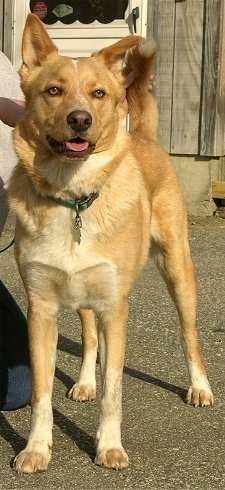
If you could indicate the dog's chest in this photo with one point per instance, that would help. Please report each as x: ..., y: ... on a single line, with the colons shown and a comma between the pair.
x: 82, y: 275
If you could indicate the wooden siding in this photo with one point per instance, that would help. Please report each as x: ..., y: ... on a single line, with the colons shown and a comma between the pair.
x: 1, y: 24
x: 160, y: 26
x: 190, y: 74
x: 186, y: 77
x: 6, y: 26
x: 218, y: 189
x: 213, y: 90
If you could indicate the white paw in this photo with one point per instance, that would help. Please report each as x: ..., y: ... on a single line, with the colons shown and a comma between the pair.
x: 115, y: 458
x: 82, y: 392
x: 29, y: 461
x: 199, y: 397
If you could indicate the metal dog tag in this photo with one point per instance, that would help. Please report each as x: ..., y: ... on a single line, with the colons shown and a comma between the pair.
x: 78, y: 226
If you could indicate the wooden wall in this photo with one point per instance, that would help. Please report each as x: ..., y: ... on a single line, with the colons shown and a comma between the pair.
x: 190, y: 78
x: 213, y: 89
x: 1, y: 25
x: 6, y: 25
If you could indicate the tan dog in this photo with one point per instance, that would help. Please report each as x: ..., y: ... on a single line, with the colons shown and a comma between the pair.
x: 78, y: 166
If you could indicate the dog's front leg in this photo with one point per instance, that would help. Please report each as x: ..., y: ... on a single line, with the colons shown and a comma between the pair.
x: 42, y: 332
x: 112, y: 334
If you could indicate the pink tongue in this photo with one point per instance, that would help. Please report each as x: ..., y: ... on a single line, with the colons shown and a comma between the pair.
x: 77, y: 146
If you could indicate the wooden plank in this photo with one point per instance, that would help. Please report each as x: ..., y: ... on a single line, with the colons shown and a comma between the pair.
x: 1, y: 25
x: 8, y: 27
x: 187, y: 71
x: 160, y: 26
x: 213, y: 102
x: 218, y: 189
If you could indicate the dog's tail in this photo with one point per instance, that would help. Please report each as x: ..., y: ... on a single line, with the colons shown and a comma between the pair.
x: 143, y: 110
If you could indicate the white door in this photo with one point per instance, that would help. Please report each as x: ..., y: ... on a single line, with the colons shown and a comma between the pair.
x: 80, y: 27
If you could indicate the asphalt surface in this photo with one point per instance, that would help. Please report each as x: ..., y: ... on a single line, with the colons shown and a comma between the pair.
x: 170, y: 445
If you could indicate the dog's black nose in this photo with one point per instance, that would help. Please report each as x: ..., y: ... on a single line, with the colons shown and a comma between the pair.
x: 79, y: 120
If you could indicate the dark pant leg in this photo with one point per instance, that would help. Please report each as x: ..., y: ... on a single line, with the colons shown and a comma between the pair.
x: 15, y: 380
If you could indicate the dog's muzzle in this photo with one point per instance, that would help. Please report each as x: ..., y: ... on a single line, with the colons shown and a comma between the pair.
x: 78, y: 147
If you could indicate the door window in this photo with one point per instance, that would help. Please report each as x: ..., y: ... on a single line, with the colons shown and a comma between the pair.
x: 85, y: 11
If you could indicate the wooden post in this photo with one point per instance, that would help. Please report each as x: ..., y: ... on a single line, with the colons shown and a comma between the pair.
x: 213, y: 91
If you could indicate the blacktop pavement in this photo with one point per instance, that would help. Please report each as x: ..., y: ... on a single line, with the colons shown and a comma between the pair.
x: 170, y: 445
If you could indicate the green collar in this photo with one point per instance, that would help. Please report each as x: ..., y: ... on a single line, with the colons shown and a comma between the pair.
x: 79, y: 204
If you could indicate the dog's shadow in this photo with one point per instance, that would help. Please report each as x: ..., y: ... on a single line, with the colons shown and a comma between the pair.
x: 74, y: 348
x: 8, y: 433
x: 83, y: 441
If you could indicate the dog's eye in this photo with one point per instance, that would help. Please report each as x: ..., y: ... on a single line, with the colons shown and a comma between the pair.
x: 54, y: 91
x: 98, y: 94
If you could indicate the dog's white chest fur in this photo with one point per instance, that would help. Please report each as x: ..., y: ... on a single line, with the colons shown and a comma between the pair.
x: 82, y: 277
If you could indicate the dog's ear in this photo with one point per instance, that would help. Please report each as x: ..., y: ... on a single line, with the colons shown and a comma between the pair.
x: 113, y: 56
x: 36, y: 43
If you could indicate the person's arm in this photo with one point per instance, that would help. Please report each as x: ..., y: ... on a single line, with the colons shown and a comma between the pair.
x: 11, y: 111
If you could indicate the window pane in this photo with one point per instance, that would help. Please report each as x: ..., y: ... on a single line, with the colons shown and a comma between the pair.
x: 86, y: 11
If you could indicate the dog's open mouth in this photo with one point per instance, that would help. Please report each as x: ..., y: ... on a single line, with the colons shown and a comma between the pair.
x: 74, y: 148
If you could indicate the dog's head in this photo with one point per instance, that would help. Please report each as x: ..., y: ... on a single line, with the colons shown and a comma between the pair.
x: 73, y: 106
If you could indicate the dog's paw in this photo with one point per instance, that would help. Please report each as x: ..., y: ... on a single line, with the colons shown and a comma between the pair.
x: 116, y: 458
x: 199, y: 397
x: 82, y: 393
x: 30, y: 462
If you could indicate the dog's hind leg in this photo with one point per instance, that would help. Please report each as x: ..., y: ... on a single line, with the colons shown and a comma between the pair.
x: 42, y: 332
x: 173, y: 258
x: 112, y: 334
x: 85, y: 388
